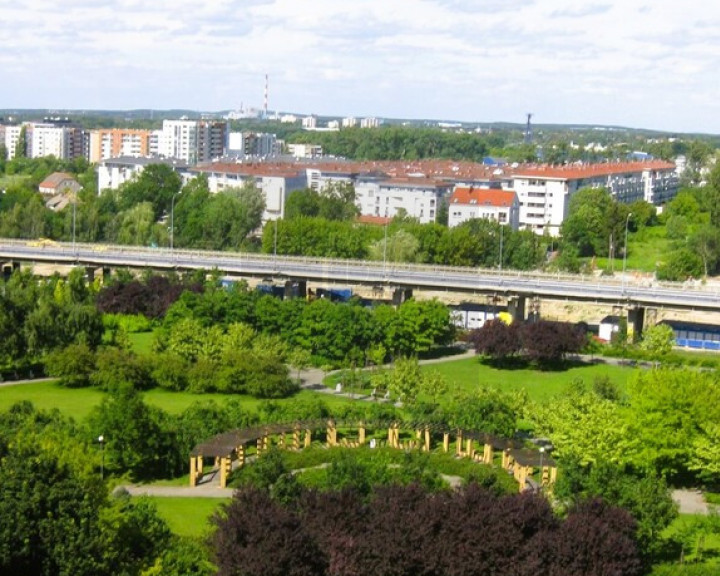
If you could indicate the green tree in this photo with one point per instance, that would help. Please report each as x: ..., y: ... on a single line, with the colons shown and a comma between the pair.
x: 156, y: 185
x: 658, y: 340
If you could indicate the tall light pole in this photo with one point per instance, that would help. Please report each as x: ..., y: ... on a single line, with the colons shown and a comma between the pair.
x: 275, y: 244
x: 627, y: 221
x: 101, y: 441
x: 542, y: 453
x: 74, y: 218
x: 172, y: 220
x: 385, y: 250
x: 501, y: 246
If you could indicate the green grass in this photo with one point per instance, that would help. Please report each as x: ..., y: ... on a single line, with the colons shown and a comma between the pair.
x: 470, y: 374
x: 141, y: 342
x: 187, y: 516
x: 645, y: 250
x: 710, y: 552
x: 9, y: 180
x: 78, y: 402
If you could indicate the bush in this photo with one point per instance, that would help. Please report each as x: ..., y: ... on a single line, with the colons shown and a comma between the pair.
x: 72, y: 365
x: 116, y: 367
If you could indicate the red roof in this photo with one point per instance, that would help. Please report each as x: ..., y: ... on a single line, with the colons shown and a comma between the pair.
x: 483, y: 197
x: 577, y: 171
x: 379, y: 220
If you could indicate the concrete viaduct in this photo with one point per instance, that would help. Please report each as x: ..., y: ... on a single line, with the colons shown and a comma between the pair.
x: 521, y: 290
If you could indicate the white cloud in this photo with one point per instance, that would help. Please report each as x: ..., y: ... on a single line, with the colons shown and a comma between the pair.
x: 610, y: 61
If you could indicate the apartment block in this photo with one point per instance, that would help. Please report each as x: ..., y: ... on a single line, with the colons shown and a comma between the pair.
x: 501, y: 206
x: 116, y: 142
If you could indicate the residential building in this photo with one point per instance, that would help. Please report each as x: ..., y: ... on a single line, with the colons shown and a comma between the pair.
x: 309, y: 122
x: 193, y: 141
x: 369, y: 123
x: 59, y: 183
x: 349, y: 122
x: 276, y: 181
x: 257, y: 144
x: 544, y: 191
x: 114, y: 172
x: 116, y: 142
x: 305, y: 150
x: 501, y: 206
x: 52, y: 139
x: 9, y: 136
x: 417, y: 197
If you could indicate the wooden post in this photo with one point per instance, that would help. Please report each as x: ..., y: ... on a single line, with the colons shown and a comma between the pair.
x: 446, y: 442
x: 426, y: 448
x: 193, y: 472
x: 225, y: 465
x: 361, y: 433
x: 260, y: 445
x: 296, y: 438
x: 308, y: 438
x: 488, y: 454
x: 331, y: 434
x: 470, y: 451
x: 458, y: 444
x: 241, y: 455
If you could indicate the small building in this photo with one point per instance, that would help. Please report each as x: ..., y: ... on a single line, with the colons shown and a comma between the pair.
x: 470, y: 315
x: 608, y: 326
x: 59, y: 183
x: 695, y: 334
x: 467, y: 203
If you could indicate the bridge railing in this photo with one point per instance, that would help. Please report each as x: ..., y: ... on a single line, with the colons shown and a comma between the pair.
x: 79, y: 250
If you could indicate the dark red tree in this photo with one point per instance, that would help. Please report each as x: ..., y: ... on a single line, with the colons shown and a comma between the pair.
x: 496, y: 339
x: 547, y: 342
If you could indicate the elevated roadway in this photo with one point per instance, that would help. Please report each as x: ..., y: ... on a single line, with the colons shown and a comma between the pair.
x: 623, y: 291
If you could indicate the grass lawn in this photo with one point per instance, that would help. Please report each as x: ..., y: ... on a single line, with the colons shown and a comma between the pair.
x: 708, y: 553
x: 469, y: 374
x: 141, y: 342
x: 187, y: 516
x: 78, y: 402
x: 7, y: 180
x: 645, y: 249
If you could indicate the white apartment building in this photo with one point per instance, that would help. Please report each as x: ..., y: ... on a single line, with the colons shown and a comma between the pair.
x: 369, y: 123
x: 544, y: 191
x: 114, y: 172
x: 47, y: 140
x: 276, y: 181
x: 495, y: 204
x: 417, y: 197
x: 309, y: 122
x: 305, y: 150
x: 9, y: 136
x: 193, y: 140
x: 349, y: 122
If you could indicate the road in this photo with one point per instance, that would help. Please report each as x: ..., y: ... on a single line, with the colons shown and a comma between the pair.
x: 625, y: 290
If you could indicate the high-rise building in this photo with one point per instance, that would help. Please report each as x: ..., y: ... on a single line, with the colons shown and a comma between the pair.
x: 117, y: 142
x: 193, y: 140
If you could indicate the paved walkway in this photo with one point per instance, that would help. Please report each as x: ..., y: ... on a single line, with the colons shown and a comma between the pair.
x: 691, y: 502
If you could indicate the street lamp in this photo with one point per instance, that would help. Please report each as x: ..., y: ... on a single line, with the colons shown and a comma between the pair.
x: 627, y: 221
x: 172, y: 220
x: 275, y: 244
x: 74, y: 218
x: 502, y: 228
x: 542, y: 453
x: 101, y: 441
x: 385, y: 250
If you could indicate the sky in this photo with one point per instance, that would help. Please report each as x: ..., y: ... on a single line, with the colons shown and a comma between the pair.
x: 651, y: 64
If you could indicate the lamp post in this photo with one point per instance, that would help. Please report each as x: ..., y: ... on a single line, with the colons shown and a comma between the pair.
x: 385, y: 250
x: 101, y: 441
x: 275, y: 244
x: 542, y: 453
x: 172, y: 220
x: 74, y: 219
x: 502, y: 228
x: 627, y: 221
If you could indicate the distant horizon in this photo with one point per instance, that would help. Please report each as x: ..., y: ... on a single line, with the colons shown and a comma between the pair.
x: 609, y: 63
x: 271, y: 117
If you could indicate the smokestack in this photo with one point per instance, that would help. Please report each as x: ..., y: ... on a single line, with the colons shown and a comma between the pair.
x: 265, y: 106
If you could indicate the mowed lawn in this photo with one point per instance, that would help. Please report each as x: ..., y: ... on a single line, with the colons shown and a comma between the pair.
x: 187, y: 516
x: 78, y: 402
x: 469, y: 374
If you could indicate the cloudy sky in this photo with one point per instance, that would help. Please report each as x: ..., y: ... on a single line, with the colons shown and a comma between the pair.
x: 639, y: 63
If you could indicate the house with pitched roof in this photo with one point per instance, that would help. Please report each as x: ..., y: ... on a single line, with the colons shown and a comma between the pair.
x: 59, y: 183
x: 467, y: 203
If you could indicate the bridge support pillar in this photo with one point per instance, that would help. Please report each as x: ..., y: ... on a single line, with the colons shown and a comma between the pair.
x: 635, y: 322
x: 295, y: 289
x: 516, y: 308
x: 90, y: 274
x: 8, y: 269
x: 534, y: 312
x: 401, y: 295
